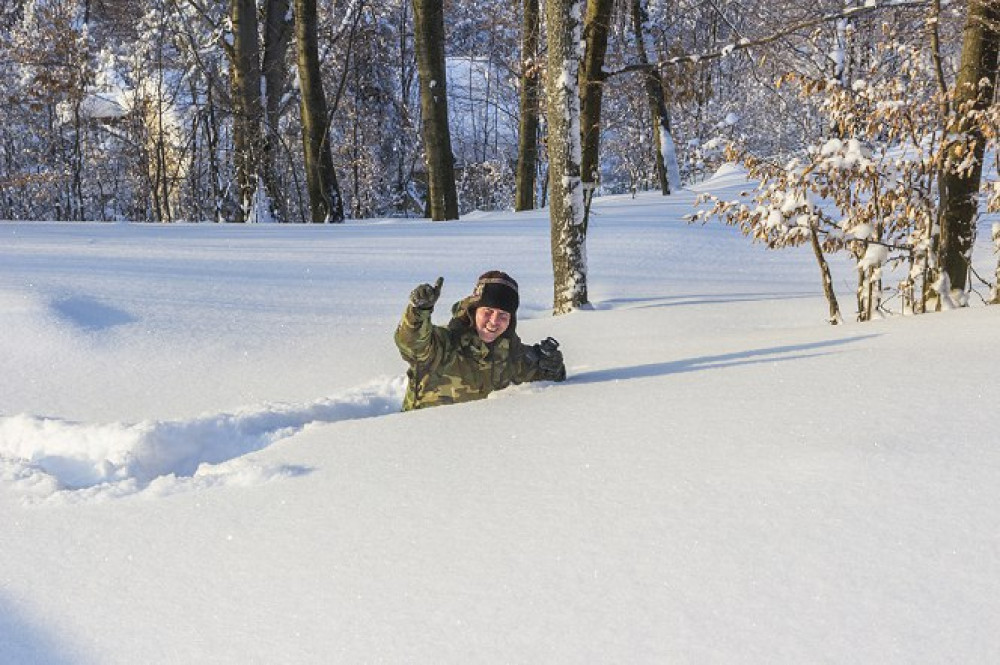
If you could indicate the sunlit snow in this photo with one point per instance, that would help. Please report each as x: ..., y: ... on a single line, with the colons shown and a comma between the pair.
x: 202, y: 458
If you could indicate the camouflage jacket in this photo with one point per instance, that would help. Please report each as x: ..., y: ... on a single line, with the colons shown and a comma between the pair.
x: 451, y: 365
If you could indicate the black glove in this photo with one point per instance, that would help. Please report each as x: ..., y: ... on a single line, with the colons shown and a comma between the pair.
x: 425, y: 295
x: 550, y: 359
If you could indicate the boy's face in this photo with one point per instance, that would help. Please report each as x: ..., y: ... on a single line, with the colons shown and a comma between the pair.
x: 491, y: 323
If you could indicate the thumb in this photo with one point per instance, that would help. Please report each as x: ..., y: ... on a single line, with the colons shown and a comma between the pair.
x: 437, y: 285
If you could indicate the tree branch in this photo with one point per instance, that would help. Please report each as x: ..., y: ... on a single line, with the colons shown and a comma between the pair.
x: 743, y: 44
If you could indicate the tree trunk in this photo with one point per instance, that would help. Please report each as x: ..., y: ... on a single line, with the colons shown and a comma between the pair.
x: 980, y: 44
x: 277, y: 38
x: 405, y: 162
x: 592, y: 76
x: 662, y: 140
x: 212, y: 147
x: 248, y: 111
x: 527, y: 149
x: 77, y: 200
x: 162, y: 191
x: 325, y: 200
x: 566, y: 213
x: 428, y: 28
x: 995, y: 295
x: 824, y: 269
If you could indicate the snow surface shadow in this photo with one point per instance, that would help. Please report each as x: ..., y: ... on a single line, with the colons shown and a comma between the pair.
x: 47, y: 456
x: 24, y: 641
x: 90, y: 314
x: 695, y: 299
x: 750, y: 357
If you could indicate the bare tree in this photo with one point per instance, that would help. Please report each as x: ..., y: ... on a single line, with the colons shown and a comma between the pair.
x: 428, y: 25
x: 960, y: 178
x: 667, y: 173
x: 592, y: 76
x: 527, y: 151
x: 325, y: 200
x: 248, y: 110
x: 566, y: 208
x: 277, y: 30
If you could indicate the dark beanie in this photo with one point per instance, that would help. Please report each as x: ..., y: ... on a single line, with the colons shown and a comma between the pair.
x: 497, y: 290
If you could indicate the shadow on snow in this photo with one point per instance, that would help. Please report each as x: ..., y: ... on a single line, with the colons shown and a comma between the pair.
x: 737, y: 358
x: 23, y: 640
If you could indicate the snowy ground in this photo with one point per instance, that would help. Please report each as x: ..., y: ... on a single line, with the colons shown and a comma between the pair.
x: 202, y: 459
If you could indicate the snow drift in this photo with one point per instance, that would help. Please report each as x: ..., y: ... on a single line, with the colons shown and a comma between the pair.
x: 200, y: 464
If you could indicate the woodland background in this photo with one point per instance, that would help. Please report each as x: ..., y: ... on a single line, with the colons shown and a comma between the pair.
x: 867, y: 123
x: 124, y: 109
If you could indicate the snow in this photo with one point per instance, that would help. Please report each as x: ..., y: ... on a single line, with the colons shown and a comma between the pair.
x: 875, y: 257
x: 840, y: 155
x: 774, y: 219
x: 831, y: 147
x: 202, y: 459
x: 729, y: 175
x: 669, y: 152
x: 863, y: 231
x: 792, y: 202
x: 261, y: 206
x: 102, y: 106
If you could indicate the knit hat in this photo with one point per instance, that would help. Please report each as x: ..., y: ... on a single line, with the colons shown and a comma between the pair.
x: 497, y: 290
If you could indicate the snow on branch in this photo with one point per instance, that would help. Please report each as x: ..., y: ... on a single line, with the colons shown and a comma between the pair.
x: 869, y: 188
x: 743, y: 44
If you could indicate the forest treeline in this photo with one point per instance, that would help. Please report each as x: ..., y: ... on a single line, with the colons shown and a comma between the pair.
x: 321, y: 110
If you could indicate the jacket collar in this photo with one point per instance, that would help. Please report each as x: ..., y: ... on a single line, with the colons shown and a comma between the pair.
x: 470, y: 341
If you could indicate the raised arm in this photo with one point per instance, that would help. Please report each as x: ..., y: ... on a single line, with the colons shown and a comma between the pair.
x: 415, y: 332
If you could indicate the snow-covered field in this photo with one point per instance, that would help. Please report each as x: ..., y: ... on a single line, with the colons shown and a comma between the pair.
x: 202, y: 458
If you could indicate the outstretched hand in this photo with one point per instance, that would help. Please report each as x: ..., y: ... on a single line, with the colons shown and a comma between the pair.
x: 550, y: 359
x: 426, y: 296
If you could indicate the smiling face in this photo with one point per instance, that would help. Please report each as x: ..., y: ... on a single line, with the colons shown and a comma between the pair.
x: 491, y: 323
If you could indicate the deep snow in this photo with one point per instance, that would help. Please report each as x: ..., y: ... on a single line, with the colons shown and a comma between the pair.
x: 202, y: 459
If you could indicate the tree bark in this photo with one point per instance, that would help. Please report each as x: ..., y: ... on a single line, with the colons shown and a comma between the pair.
x: 277, y: 39
x: 325, y: 201
x: 212, y: 152
x: 666, y: 156
x: 405, y: 162
x: 527, y: 149
x: 428, y: 28
x: 824, y: 269
x: 566, y: 208
x: 980, y: 45
x: 592, y: 76
x: 248, y: 112
x: 995, y: 295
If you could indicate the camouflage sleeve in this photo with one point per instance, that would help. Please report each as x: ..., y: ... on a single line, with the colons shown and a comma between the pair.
x: 415, y: 336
